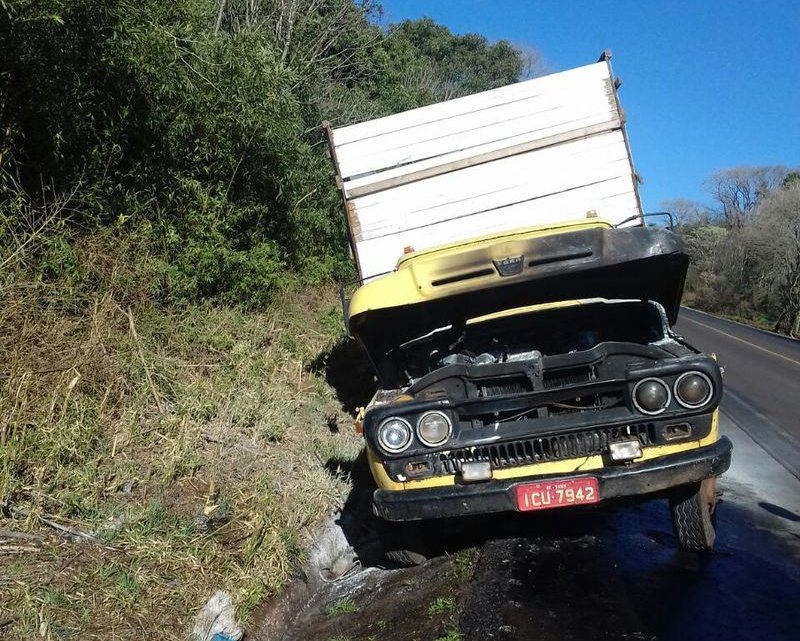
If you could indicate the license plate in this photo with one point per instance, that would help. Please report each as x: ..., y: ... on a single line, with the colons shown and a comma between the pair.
x: 544, y: 495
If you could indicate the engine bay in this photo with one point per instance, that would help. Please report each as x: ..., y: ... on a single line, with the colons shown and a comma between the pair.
x: 526, y: 336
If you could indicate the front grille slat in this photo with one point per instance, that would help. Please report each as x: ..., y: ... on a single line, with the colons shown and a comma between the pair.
x: 563, y: 378
x: 553, y: 447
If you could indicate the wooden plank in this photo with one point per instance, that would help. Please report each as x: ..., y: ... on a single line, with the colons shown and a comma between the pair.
x: 380, y: 254
x: 363, y: 181
x: 349, y: 209
x: 469, y: 104
x: 636, y: 178
x: 493, y: 185
x: 571, y: 111
x: 372, y: 227
x: 498, y: 192
x: 534, y: 114
x: 468, y: 159
x: 600, y: 197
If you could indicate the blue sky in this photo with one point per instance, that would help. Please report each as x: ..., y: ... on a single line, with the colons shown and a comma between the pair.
x: 706, y: 85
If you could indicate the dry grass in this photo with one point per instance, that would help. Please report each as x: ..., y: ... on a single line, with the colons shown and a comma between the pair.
x: 150, y: 456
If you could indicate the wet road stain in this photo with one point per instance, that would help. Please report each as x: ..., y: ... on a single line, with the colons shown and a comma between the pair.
x: 623, y: 578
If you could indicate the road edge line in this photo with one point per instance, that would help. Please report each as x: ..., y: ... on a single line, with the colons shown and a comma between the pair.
x: 730, y: 320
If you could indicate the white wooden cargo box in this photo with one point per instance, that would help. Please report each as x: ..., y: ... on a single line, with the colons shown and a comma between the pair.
x: 539, y: 151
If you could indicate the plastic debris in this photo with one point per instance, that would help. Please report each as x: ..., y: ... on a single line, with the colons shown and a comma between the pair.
x: 216, y: 620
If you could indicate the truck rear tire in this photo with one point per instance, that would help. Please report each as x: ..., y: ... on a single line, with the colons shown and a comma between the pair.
x: 694, y: 515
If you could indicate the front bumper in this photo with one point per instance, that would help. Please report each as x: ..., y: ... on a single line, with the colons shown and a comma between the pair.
x: 498, y: 496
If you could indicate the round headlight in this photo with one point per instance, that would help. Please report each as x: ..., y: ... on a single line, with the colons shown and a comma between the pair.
x: 433, y: 428
x: 651, y: 396
x: 394, y: 434
x: 693, y: 389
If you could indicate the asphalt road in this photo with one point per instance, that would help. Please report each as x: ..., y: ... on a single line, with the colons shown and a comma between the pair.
x: 762, y: 380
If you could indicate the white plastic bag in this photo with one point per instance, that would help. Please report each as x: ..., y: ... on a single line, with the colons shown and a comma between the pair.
x: 216, y: 621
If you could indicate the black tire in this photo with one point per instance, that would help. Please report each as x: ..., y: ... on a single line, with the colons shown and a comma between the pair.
x: 405, y: 558
x: 694, y: 515
x: 403, y: 543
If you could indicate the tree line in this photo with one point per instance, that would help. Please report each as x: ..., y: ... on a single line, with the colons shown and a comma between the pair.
x: 193, y: 126
x: 745, y: 246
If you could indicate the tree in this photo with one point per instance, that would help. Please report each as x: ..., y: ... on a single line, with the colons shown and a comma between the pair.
x: 195, y: 124
x: 738, y: 191
x: 460, y: 65
x: 686, y: 211
x: 744, y: 250
x: 778, y: 228
x: 792, y: 178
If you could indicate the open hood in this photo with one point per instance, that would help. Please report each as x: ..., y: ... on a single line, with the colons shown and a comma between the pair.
x: 450, y: 285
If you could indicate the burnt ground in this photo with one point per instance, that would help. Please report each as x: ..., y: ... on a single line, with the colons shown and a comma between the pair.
x: 623, y: 578
x: 613, y: 573
x: 406, y: 605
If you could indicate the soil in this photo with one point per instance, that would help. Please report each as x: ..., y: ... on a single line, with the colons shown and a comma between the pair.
x: 412, y: 604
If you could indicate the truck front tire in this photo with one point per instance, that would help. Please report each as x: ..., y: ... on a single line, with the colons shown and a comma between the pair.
x: 694, y: 515
x: 403, y: 544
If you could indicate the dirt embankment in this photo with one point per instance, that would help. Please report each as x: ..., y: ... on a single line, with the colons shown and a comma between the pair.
x: 422, y: 603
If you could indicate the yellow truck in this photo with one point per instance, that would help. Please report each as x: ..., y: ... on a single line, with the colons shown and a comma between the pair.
x: 518, y: 313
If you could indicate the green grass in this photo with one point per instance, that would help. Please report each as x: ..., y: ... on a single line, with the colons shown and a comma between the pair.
x: 194, y: 455
x: 446, y: 608
x: 464, y: 564
x: 342, y: 606
x: 126, y: 589
x: 442, y: 605
x: 451, y: 634
x: 53, y: 597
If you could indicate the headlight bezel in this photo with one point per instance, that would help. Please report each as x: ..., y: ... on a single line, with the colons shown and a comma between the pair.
x: 705, y: 401
x: 646, y: 411
x: 382, y: 442
x: 447, y: 420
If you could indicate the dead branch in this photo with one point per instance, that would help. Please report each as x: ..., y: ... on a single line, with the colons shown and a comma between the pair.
x: 4, y: 623
x: 135, y: 336
x: 220, y: 14
x: 25, y: 536
x: 71, y: 531
x: 18, y: 549
x: 54, y: 211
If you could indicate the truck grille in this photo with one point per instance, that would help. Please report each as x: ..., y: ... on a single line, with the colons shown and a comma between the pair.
x: 547, y: 448
x: 574, y: 376
x: 503, y: 386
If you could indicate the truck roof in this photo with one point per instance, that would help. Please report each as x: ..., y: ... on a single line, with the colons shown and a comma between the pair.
x: 536, y: 152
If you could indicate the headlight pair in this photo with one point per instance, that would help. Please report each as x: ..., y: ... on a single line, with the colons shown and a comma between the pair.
x: 433, y: 428
x: 691, y: 389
